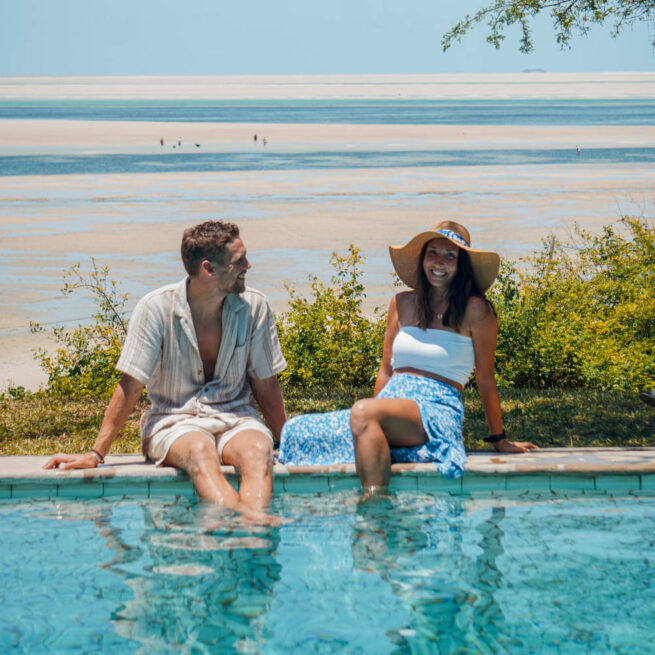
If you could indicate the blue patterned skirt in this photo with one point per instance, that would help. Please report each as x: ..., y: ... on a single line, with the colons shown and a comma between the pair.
x: 321, y: 439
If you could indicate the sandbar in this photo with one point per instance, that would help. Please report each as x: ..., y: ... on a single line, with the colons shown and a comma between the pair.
x: 65, y: 136
x: 529, y: 85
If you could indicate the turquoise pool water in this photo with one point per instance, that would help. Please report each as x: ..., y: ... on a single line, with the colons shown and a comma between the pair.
x: 417, y: 573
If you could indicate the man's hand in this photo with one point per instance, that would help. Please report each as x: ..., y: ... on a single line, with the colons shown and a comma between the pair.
x: 123, y: 400
x: 64, y: 462
x: 268, y: 395
x: 504, y: 446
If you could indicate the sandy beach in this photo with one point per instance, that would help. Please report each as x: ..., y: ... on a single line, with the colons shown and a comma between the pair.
x: 59, y: 136
x: 303, y: 217
x: 291, y: 220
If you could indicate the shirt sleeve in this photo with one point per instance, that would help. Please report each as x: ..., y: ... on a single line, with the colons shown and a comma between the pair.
x: 265, y: 357
x: 141, y: 352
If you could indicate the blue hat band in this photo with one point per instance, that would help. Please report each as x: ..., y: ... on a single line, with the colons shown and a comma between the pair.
x: 454, y: 236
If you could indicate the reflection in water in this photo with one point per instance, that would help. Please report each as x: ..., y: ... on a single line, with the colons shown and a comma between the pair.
x: 488, y: 619
x: 193, y: 588
x: 409, y: 573
x: 417, y: 549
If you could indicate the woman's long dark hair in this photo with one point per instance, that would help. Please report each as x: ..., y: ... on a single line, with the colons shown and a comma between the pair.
x: 462, y: 288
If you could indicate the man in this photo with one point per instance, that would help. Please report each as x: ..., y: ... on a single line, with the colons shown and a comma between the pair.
x: 201, y: 346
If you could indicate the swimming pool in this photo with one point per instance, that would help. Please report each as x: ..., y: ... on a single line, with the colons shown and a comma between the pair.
x: 415, y: 573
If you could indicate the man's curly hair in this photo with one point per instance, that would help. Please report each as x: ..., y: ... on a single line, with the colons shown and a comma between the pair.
x: 206, y: 241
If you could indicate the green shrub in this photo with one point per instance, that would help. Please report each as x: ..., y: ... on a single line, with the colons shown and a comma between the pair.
x: 326, y: 339
x: 84, y: 363
x: 581, y: 314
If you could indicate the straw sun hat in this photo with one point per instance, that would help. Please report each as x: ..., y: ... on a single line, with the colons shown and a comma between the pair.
x: 405, y: 258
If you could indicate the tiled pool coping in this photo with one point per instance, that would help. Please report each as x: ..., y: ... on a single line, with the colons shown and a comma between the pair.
x: 586, y: 470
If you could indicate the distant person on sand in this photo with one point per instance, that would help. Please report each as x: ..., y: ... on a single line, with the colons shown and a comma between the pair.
x: 161, y: 142
x: 201, y: 346
x: 438, y: 333
x: 254, y: 138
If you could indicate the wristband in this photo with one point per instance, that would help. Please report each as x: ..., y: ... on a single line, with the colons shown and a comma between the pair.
x: 98, y: 456
x: 493, y: 438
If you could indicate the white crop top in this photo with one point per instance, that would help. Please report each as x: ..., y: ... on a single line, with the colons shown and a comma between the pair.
x: 444, y: 353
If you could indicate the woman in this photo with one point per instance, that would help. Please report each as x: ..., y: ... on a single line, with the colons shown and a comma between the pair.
x: 436, y: 334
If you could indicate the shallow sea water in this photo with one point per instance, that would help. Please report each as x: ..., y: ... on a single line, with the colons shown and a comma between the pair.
x: 601, y: 111
x: 415, y: 573
x: 103, y: 163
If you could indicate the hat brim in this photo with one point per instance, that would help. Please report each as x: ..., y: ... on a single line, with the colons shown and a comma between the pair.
x: 405, y: 258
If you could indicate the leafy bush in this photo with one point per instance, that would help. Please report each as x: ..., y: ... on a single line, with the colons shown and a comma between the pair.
x: 326, y: 339
x: 581, y: 314
x: 84, y: 363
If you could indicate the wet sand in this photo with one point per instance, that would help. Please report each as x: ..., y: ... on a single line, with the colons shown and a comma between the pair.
x: 290, y: 223
x: 59, y: 136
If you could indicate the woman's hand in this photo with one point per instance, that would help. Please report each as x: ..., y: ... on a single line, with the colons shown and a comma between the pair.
x: 505, y: 446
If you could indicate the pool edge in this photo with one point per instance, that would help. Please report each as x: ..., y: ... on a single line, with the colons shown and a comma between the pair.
x: 584, y: 470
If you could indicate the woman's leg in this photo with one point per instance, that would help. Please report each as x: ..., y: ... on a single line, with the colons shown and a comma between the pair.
x: 376, y: 424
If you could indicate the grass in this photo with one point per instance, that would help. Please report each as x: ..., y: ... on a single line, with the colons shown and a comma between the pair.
x: 36, y: 424
x: 566, y: 418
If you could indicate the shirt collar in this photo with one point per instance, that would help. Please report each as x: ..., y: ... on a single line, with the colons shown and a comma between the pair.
x: 182, y: 308
x: 234, y: 300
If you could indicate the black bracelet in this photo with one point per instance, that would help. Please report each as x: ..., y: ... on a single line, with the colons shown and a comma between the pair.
x: 98, y: 456
x: 493, y: 438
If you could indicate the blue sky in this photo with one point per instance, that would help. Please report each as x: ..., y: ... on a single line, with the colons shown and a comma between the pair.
x: 204, y: 37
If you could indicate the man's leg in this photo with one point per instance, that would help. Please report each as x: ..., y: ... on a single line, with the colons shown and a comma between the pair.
x: 251, y: 452
x: 196, y: 454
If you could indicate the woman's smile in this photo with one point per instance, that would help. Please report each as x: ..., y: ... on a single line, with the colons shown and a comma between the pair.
x: 440, y: 262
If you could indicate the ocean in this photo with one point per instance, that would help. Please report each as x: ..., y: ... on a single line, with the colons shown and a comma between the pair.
x: 179, y: 162
x: 351, y: 112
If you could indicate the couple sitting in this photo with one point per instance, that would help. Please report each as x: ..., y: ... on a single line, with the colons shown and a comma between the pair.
x: 205, y: 346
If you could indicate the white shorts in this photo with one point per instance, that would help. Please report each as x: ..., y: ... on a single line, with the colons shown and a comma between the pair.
x: 220, y: 431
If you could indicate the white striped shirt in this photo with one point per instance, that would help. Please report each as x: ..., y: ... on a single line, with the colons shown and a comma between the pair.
x: 161, y: 351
